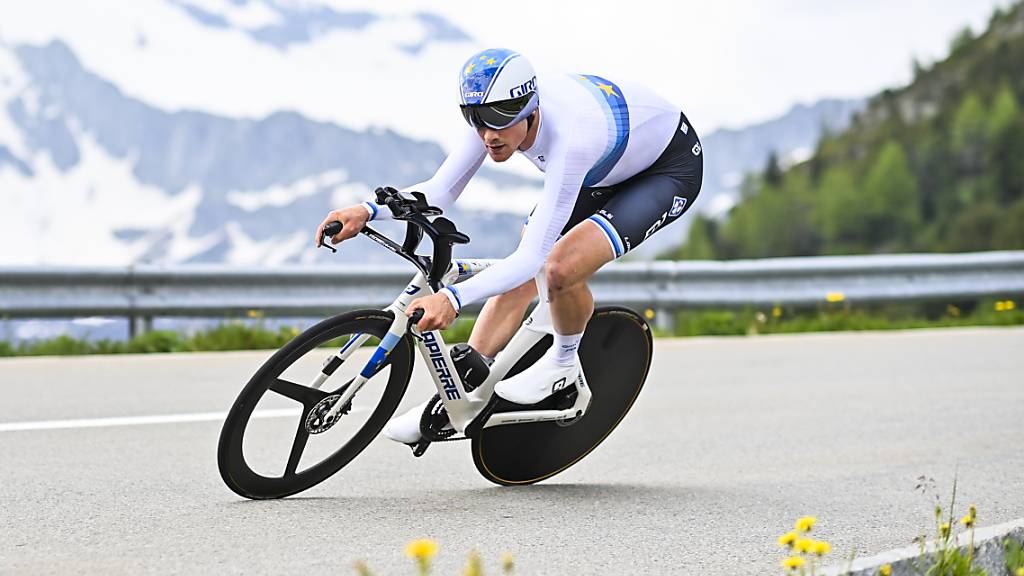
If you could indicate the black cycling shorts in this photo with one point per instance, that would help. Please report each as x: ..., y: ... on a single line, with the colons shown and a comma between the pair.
x: 630, y: 211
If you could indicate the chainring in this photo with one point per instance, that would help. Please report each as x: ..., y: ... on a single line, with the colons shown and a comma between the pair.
x: 317, y: 421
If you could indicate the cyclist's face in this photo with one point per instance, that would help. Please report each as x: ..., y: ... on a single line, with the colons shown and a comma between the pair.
x: 501, y: 144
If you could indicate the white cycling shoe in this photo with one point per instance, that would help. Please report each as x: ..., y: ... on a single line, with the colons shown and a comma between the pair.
x: 406, y: 428
x: 539, y: 381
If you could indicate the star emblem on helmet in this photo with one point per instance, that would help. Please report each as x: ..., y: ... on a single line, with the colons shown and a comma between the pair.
x: 469, y: 68
x: 607, y: 90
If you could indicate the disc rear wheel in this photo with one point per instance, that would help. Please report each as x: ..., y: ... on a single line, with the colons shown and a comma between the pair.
x: 616, y: 355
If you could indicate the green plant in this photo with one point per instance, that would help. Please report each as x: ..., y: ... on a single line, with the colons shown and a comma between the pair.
x: 948, y: 559
x: 155, y: 341
x: 239, y: 336
x: 1014, y: 557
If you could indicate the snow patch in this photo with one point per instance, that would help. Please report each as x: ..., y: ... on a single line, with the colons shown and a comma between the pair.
x: 224, y: 71
x: 276, y: 196
x: 70, y: 217
x: 246, y: 251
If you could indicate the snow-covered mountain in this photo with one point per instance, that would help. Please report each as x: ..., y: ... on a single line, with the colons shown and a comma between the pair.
x: 176, y: 131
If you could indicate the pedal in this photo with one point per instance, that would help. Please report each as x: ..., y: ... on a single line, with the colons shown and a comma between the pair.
x: 434, y: 420
x: 420, y: 447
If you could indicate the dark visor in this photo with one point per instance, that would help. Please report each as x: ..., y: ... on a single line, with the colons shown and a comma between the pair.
x: 496, y: 115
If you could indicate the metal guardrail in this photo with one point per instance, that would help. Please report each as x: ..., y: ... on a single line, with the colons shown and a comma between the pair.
x: 142, y: 292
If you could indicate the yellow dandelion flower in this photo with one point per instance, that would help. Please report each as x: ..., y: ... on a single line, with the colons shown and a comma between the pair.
x: 835, y: 297
x: 806, y: 523
x: 473, y: 567
x: 945, y: 529
x: 793, y: 562
x: 507, y: 562
x: 1010, y: 305
x: 421, y: 549
x: 1000, y: 306
x: 967, y: 520
x: 821, y: 547
x: 803, y: 545
x: 1019, y: 572
x: 885, y: 570
x: 787, y: 539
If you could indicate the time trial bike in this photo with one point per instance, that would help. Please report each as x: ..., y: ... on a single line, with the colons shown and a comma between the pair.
x: 346, y: 402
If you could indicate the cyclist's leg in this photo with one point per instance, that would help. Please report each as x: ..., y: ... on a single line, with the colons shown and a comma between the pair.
x: 502, y: 315
x: 639, y: 207
x: 499, y: 319
x: 573, y: 260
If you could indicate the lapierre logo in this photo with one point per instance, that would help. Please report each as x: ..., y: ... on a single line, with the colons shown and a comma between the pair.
x: 524, y: 88
x: 657, y: 224
x: 440, y: 366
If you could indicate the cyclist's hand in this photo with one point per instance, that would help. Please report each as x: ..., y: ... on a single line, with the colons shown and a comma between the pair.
x: 438, y: 312
x: 352, y: 219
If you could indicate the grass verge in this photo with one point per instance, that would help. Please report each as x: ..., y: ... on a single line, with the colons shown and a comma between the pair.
x: 236, y: 335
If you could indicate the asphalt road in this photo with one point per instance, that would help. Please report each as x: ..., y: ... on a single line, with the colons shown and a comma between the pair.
x: 732, y: 440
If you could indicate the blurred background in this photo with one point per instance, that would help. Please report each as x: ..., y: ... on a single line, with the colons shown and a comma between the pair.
x: 180, y: 132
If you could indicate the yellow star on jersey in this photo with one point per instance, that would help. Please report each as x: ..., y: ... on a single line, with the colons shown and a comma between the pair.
x: 491, y: 61
x: 469, y: 68
x: 608, y: 90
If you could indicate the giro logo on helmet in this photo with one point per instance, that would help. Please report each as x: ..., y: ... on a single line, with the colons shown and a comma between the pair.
x: 474, y: 94
x: 524, y: 88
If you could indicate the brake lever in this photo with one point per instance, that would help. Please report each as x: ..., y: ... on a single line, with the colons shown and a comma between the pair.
x: 332, y: 228
x: 417, y: 315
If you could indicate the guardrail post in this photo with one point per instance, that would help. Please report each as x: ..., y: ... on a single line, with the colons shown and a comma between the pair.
x: 665, y: 320
x: 139, y: 325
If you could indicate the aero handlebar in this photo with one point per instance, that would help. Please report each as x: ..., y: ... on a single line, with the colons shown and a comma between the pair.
x: 414, y: 212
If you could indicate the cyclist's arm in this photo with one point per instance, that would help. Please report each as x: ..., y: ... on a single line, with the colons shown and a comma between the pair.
x: 450, y: 179
x: 563, y: 179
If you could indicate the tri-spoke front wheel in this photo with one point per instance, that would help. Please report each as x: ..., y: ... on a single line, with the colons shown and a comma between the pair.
x: 265, y: 448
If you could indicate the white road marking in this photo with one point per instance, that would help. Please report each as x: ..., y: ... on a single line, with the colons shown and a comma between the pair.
x: 138, y: 420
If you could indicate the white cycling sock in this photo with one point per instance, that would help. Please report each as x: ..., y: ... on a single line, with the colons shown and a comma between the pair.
x: 565, y: 348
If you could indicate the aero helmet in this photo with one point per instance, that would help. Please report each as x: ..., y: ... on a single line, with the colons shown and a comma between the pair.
x: 498, y: 88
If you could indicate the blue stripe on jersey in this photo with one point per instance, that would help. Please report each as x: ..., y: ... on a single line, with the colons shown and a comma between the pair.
x: 456, y: 294
x: 614, y: 105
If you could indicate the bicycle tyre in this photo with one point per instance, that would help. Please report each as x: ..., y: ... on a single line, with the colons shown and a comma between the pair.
x: 239, y: 476
x: 616, y: 356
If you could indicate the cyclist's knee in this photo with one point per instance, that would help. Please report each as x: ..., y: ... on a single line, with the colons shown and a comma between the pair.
x: 562, y: 271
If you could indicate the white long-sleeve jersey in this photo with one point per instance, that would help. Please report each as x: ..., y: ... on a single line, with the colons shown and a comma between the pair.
x: 592, y: 133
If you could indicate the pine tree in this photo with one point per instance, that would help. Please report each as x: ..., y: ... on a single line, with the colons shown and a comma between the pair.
x: 890, y: 193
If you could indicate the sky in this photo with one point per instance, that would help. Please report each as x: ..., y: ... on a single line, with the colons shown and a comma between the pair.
x: 727, y: 63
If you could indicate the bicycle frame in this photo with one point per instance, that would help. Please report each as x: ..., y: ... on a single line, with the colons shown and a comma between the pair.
x: 461, y: 406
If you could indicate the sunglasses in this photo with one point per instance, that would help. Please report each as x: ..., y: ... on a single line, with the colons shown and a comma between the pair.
x: 496, y: 115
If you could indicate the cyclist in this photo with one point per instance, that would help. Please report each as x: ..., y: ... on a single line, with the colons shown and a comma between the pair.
x: 619, y: 164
